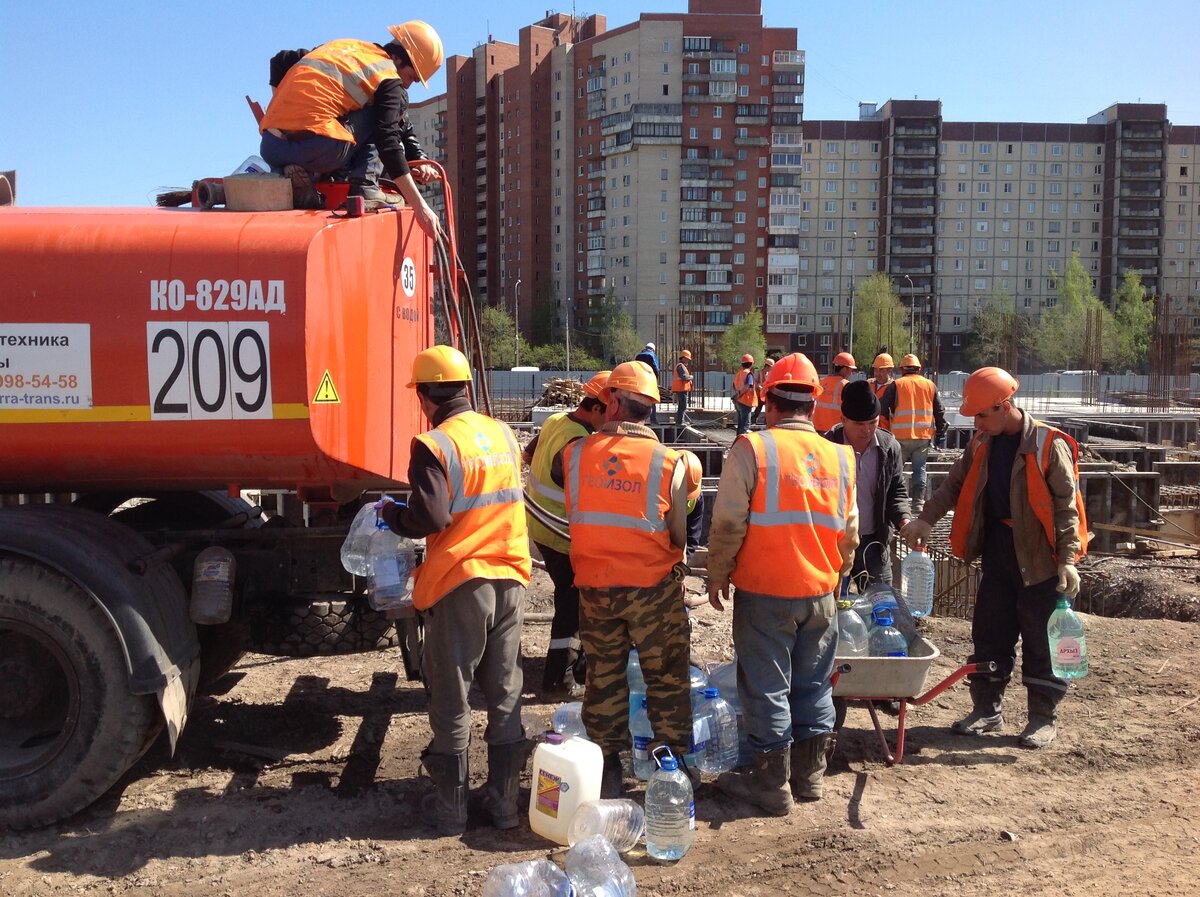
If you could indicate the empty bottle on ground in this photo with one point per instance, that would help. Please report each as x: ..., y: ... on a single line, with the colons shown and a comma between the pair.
x: 642, y: 734
x: 531, y: 877
x: 595, y: 869
x: 721, y: 750
x: 886, y: 640
x: 622, y: 822
x: 852, y: 631
x: 916, y: 582
x: 670, y: 809
x: 392, y: 561
x: 1068, y: 646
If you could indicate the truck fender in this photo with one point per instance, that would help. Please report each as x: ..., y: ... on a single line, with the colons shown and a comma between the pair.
x: 148, y: 612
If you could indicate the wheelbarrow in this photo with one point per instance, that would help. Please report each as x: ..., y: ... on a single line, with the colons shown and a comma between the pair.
x: 868, y: 680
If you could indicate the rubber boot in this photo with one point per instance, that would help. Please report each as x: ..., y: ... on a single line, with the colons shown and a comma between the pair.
x: 612, y: 778
x: 558, y: 675
x: 809, y: 759
x: 765, y: 786
x: 446, y: 808
x: 1040, y: 730
x: 985, y: 716
x: 506, y: 762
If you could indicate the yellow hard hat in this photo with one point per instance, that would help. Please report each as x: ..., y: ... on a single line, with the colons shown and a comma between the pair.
x: 693, y: 474
x: 596, y: 385
x: 440, y: 364
x: 632, y: 376
x: 910, y: 361
x: 423, y: 45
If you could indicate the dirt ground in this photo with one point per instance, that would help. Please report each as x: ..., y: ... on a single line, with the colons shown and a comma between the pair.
x: 301, y: 777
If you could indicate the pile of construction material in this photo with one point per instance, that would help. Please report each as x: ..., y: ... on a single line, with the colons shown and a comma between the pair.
x: 562, y: 391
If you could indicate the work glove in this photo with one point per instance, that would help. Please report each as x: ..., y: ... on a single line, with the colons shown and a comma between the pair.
x: 1068, y: 580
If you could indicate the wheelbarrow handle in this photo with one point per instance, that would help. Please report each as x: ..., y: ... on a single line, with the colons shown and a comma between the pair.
x: 961, y: 673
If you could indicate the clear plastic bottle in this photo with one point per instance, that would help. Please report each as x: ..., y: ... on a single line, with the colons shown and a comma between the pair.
x: 852, y: 632
x: 213, y: 576
x: 697, y: 679
x: 1068, y: 644
x: 721, y: 752
x: 883, y: 597
x: 595, y: 869
x: 642, y: 734
x: 539, y: 877
x: 700, y: 730
x: 358, y: 541
x: 633, y: 672
x: 916, y: 582
x: 861, y: 605
x: 568, y: 719
x: 622, y: 822
x: 886, y: 640
x: 724, y: 677
x: 392, y: 560
x: 670, y: 809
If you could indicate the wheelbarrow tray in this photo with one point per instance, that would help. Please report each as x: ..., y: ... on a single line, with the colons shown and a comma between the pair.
x: 887, y: 677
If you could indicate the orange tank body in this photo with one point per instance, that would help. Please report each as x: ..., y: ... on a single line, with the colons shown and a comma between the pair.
x: 181, y: 350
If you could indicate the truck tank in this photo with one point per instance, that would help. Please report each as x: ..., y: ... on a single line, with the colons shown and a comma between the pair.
x: 187, y: 350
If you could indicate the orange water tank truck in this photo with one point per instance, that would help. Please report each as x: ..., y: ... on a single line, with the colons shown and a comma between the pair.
x: 155, y: 366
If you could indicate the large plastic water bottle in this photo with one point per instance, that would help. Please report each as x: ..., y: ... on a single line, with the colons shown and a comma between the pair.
x: 886, y: 640
x: 670, y: 809
x: 622, y: 822
x: 698, y: 742
x: 358, y: 541
x: 883, y: 597
x: 392, y: 561
x: 567, y: 719
x: 642, y: 734
x: 721, y: 752
x: 724, y: 677
x: 861, y: 604
x: 633, y: 672
x: 916, y: 582
x: 1068, y: 646
x: 852, y: 632
x: 595, y: 869
x: 530, y: 877
x: 697, y: 679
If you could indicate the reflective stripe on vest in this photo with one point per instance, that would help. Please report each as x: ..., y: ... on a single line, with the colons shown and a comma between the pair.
x: 454, y: 473
x: 772, y: 516
x: 654, y: 521
x: 679, y: 384
x: 739, y: 383
x: 828, y: 412
x: 557, y: 431
x: 351, y: 81
x: 912, y: 418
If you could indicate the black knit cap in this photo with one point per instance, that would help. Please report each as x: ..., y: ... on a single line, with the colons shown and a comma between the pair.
x: 859, y: 401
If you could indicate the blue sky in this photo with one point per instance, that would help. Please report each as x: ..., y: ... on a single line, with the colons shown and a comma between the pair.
x: 105, y: 104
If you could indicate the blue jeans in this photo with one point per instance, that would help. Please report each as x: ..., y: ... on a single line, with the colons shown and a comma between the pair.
x: 743, y: 416
x: 681, y: 405
x: 915, y: 451
x: 325, y: 155
x: 785, y: 650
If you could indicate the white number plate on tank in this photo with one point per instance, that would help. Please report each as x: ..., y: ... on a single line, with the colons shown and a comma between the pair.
x: 209, y: 370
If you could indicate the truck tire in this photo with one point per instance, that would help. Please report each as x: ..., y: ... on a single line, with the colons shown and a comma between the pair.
x: 69, y: 726
x: 329, y: 624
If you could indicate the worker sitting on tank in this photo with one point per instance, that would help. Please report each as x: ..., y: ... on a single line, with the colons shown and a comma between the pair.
x: 343, y: 106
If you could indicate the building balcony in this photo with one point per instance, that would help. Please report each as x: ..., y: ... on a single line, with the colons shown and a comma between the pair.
x: 916, y: 130
x: 1135, y: 151
x: 1138, y: 231
x: 1127, y: 212
x: 1142, y: 172
x: 1144, y: 270
x: 915, y: 150
x: 1141, y: 132
x: 924, y: 231
x: 902, y: 269
x: 907, y: 190
x: 901, y: 170
x: 903, y: 208
x: 481, y: 180
x: 917, y: 249
x: 1145, y: 251
x: 751, y: 141
x: 1141, y: 193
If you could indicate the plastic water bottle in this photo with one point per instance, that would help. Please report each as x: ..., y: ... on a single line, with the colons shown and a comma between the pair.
x: 721, y: 752
x: 540, y: 877
x: 853, y: 637
x: 568, y: 719
x: 916, y: 582
x: 622, y: 822
x: 697, y: 679
x: 642, y: 734
x: 670, y: 809
x: 883, y: 597
x: 358, y: 541
x: 885, y: 639
x: 1068, y: 646
x: 862, y: 605
x: 698, y: 741
x: 595, y: 869
x: 633, y: 672
x: 392, y: 561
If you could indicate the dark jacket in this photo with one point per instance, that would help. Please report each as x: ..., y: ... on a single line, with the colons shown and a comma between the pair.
x: 891, y: 495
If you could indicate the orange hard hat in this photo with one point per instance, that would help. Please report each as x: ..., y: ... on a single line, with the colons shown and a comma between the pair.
x: 440, y: 364
x: 883, y: 360
x: 910, y: 361
x: 844, y: 360
x: 596, y: 385
x: 423, y: 45
x: 632, y: 376
x: 685, y: 354
x: 793, y: 370
x: 987, y: 388
x: 693, y: 473
x: 747, y: 358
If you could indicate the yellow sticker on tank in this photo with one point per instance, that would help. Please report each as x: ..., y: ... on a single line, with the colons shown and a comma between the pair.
x: 327, y: 393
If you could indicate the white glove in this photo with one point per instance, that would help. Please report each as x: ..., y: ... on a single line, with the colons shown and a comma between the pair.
x: 1068, y: 580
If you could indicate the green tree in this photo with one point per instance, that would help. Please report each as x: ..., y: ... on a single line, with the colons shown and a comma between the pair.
x: 1061, y: 336
x: 744, y: 336
x: 615, y: 339
x: 880, y: 319
x: 1134, y: 322
x: 553, y: 357
x: 496, y: 330
x: 999, y: 334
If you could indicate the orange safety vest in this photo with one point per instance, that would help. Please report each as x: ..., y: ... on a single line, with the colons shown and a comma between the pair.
x: 804, y: 491
x: 828, y: 413
x: 762, y: 384
x: 1040, y: 499
x: 487, y: 537
x: 879, y: 389
x: 332, y: 81
x: 678, y: 384
x: 750, y: 396
x: 618, y: 494
x: 912, y: 417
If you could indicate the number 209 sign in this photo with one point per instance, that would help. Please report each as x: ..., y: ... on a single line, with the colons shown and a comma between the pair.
x: 209, y: 370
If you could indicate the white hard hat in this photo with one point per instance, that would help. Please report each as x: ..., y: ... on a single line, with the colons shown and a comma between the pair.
x: 651, y: 347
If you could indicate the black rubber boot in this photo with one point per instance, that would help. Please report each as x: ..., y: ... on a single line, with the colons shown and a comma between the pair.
x: 765, y: 786
x: 612, y: 779
x: 809, y: 759
x: 446, y: 808
x: 558, y: 675
x: 985, y: 715
x: 506, y: 762
x: 1040, y: 731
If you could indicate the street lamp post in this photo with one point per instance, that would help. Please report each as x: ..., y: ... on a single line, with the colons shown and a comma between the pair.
x: 517, y: 322
x: 911, y: 290
x: 853, y: 234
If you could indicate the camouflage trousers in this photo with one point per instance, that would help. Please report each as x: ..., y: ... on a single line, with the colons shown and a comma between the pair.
x: 655, y: 620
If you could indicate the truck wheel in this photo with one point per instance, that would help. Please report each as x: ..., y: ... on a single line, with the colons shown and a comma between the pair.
x: 326, y: 625
x: 69, y: 726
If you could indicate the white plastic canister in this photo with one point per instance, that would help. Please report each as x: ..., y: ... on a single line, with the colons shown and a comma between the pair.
x: 566, y: 774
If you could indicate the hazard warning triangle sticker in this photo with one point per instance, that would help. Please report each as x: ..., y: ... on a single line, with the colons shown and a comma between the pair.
x: 326, y: 393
